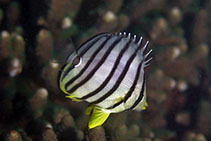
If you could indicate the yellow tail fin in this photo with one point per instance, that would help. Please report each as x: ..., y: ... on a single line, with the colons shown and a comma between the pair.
x: 98, y: 117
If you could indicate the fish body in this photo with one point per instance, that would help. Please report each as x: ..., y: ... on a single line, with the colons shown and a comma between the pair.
x: 107, y: 71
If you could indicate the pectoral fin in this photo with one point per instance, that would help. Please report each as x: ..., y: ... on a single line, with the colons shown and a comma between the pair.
x: 73, y: 98
x: 98, y: 117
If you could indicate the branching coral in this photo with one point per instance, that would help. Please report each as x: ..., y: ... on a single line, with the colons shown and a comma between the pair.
x: 178, y: 79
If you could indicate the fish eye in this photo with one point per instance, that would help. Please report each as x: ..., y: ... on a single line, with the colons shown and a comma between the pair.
x: 77, y: 61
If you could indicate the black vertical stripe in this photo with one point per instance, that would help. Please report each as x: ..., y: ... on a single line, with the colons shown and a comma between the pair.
x: 92, y: 44
x: 119, y: 80
x: 115, y: 105
x: 83, y: 52
x: 132, y: 88
x: 140, y: 95
x: 87, y: 64
x: 105, y: 82
x: 97, y: 66
x: 59, y: 75
x: 134, y: 83
x: 96, y: 37
x: 67, y: 71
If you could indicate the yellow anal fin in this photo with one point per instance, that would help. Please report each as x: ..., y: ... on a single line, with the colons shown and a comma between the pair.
x: 73, y: 98
x: 98, y: 117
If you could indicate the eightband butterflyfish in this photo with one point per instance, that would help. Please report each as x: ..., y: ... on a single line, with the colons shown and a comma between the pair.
x: 107, y: 71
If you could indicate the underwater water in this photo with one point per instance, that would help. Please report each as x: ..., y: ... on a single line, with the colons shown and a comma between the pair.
x: 36, y: 38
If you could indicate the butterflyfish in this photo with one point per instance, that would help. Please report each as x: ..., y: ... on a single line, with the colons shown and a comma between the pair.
x: 107, y: 71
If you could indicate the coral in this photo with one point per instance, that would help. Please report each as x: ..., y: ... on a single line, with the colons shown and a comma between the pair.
x: 58, y: 13
x: 183, y: 118
x: 44, y: 46
x: 194, y: 136
x: 199, y: 26
x: 38, y: 101
x: 134, y: 132
x: 121, y: 133
x: 36, y: 39
x: 203, y: 125
x: 49, y: 135
x: 5, y: 42
x: 13, y: 136
x: 13, y: 15
x: 18, y: 46
x: 14, y: 67
x: 175, y: 16
x: 1, y: 15
x: 49, y: 74
x: 158, y: 28
x: 97, y: 134
x: 113, y: 6
x: 12, y: 53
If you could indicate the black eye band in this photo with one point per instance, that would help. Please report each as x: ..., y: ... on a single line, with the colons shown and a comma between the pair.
x: 77, y: 61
